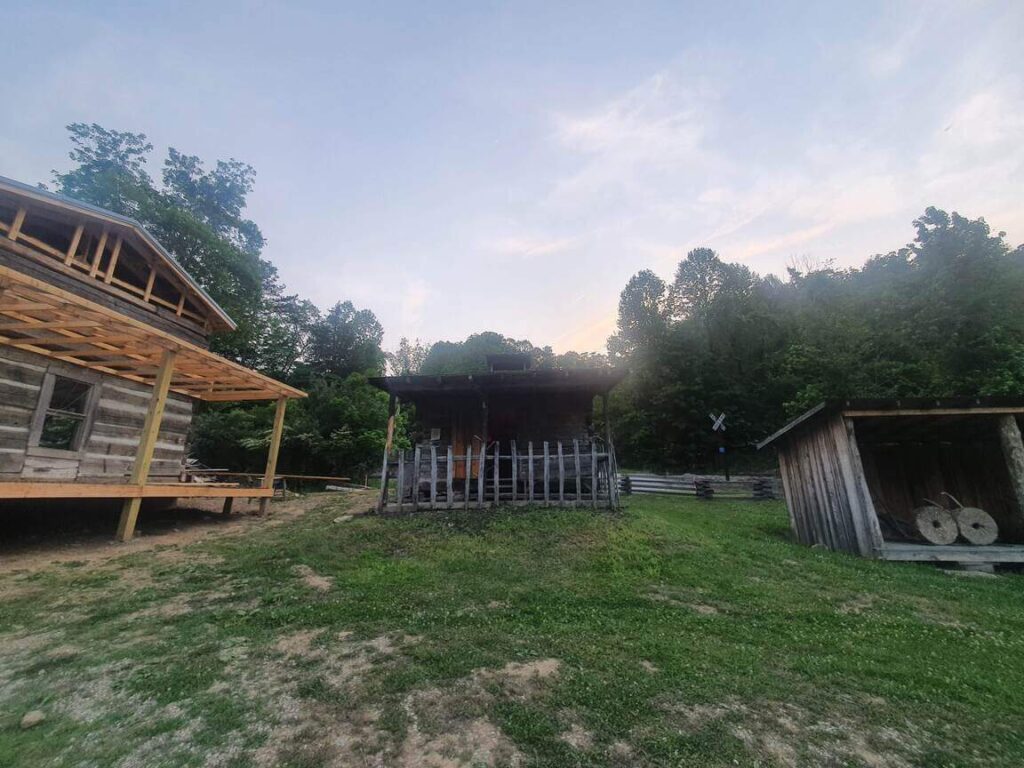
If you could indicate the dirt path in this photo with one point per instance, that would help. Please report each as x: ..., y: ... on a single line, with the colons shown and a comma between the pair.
x: 166, y: 531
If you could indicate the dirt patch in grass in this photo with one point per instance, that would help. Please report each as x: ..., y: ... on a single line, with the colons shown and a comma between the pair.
x: 578, y: 737
x: 87, y: 548
x: 856, y: 605
x: 312, y: 579
x: 790, y: 736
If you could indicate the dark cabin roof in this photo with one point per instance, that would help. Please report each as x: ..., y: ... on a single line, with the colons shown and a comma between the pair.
x: 46, y: 196
x: 908, y: 406
x: 584, y: 380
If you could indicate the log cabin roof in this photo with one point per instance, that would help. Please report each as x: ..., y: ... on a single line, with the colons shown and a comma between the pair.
x: 542, y: 380
x: 19, y: 191
x: 39, y: 317
x: 899, y: 407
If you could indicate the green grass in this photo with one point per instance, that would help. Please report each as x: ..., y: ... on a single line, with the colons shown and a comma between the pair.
x: 685, y: 633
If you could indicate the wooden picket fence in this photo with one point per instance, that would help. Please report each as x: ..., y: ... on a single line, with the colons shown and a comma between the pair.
x: 550, y: 474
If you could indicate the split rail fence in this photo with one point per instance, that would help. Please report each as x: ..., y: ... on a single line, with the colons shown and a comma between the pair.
x: 758, y: 488
x: 550, y: 474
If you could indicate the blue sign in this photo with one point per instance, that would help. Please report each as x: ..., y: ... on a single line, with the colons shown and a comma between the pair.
x: 721, y: 449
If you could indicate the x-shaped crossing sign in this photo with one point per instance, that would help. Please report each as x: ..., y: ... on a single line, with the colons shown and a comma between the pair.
x: 719, y: 422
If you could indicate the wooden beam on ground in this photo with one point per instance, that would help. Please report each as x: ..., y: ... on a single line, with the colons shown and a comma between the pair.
x: 275, y: 448
x: 147, y: 442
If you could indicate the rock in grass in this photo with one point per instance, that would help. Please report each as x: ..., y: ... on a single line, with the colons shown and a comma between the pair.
x: 343, y: 519
x: 32, y: 718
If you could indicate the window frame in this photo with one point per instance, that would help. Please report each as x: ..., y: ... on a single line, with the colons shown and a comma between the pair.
x: 93, y: 381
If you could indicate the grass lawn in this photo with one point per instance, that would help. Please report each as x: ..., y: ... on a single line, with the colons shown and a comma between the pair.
x: 676, y: 633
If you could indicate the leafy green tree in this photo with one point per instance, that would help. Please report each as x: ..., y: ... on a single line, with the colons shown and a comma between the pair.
x: 408, y: 358
x: 643, y: 314
x: 110, y: 169
x: 347, y: 340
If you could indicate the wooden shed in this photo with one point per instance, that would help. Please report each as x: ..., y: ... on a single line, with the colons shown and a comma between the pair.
x: 513, y: 435
x: 855, y: 471
x: 103, y: 351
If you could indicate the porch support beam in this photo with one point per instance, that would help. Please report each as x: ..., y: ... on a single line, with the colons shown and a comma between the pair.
x: 275, y: 447
x: 147, y: 442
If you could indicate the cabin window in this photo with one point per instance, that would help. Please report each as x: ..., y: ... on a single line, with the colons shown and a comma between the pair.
x: 64, y: 409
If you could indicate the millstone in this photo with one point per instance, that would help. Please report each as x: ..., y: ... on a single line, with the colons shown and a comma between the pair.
x: 976, y: 525
x: 935, y: 524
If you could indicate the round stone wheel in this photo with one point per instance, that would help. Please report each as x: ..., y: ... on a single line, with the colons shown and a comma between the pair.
x: 935, y: 524
x: 976, y: 525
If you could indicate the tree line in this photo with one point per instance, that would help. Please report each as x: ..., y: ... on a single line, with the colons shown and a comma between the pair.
x: 940, y: 316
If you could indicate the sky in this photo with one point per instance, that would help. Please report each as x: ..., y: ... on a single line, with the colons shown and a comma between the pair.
x: 468, y: 166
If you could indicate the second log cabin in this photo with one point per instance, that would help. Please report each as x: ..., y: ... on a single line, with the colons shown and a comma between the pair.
x: 513, y: 435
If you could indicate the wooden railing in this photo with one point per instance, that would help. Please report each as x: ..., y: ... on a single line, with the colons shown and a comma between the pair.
x: 548, y: 474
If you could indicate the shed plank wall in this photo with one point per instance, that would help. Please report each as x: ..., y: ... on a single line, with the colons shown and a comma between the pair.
x: 817, y: 491
x: 113, y: 437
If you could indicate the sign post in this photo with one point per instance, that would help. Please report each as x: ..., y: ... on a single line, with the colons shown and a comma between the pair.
x: 718, y: 426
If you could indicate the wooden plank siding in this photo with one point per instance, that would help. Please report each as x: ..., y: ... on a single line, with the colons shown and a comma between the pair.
x: 826, y: 492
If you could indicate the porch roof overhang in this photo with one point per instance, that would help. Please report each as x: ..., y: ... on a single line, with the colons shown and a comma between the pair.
x: 581, y: 380
x: 38, y: 317
x: 917, y: 407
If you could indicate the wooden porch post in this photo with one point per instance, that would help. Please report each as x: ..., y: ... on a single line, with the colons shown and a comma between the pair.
x: 1013, y: 452
x: 392, y: 410
x: 147, y: 442
x: 275, y: 448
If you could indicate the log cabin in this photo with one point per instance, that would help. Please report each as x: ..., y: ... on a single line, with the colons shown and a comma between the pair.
x: 513, y: 435
x: 104, y: 350
x: 854, y: 472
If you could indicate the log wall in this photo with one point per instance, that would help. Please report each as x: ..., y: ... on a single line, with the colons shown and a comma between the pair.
x: 113, y: 431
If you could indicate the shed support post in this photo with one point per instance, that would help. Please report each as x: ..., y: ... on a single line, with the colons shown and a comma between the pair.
x: 1013, y: 453
x: 275, y: 447
x: 144, y: 455
x: 392, y: 408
